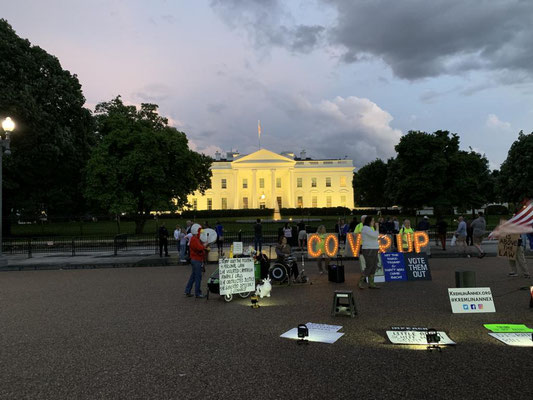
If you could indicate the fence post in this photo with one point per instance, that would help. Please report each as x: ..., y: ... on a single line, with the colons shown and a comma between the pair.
x: 115, y: 245
x: 29, y: 249
x: 73, y: 248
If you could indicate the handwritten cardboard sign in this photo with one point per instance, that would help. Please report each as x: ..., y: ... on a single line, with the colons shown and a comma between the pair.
x: 507, y: 246
x: 236, y: 275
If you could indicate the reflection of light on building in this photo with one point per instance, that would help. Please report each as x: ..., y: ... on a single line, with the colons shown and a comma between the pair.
x: 264, y: 179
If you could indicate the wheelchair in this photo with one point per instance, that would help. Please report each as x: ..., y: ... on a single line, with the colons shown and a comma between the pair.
x: 281, y: 271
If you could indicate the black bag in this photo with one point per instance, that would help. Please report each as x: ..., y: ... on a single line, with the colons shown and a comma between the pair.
x: 336, y: 272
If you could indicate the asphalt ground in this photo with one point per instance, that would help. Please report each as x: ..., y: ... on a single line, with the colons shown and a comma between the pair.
x: 132, y: 334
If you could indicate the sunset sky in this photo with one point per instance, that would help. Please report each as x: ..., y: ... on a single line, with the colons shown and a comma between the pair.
x: 336, y: 78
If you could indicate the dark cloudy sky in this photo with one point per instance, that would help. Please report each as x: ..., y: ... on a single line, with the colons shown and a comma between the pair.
x: 334, y: 77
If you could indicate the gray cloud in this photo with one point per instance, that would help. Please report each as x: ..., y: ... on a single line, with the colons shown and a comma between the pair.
x: 415, y: 38
x: 419, y: 38
x: 268, y: 23
x: 216, y: 108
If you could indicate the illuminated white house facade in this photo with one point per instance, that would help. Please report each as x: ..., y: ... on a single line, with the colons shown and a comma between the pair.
x: 262, y: 178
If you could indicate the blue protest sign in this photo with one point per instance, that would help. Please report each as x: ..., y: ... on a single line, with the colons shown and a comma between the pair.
x: 393, y: 266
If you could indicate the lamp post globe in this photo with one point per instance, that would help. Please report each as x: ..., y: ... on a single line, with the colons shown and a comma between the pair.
x: 8, y: 126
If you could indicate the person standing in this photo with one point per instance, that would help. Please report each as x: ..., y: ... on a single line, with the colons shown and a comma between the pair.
x: 405, y: 232
x: 258, y: 236
x: 469, y: 233
x: 287, y: 232
x: 479, y: 225
x: 177, y: 238
x: 460, y: 235
x: 442, y: 229
x: 370, y: 234
x: 520, y: 260
x: 220, y: 238
x: 323, y: 258
x: 183, y: 246
x: 163, y: 240
x: 197, y: 251
x: 302, y: 235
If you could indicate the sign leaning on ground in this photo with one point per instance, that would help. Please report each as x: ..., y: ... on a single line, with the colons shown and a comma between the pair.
x: 507, y: 246
x: 471, y: 300
x: 415, y: 337
x: 405, y: 266
x: 237, y: 248
x: 508, y: 328
x: 236, y: 275
x: 521, y: 339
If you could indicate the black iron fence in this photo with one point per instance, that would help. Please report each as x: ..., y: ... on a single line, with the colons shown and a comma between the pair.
x: 119, y: 243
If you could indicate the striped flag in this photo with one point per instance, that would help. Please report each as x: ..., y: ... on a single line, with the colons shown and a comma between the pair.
x: 521, y: 222
x: 259, y: 129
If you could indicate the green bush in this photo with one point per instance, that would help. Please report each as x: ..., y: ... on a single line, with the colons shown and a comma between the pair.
x: 250, y: 212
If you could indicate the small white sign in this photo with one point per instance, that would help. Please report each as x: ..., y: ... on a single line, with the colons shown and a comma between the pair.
x: 315, y: 335
x: 471, y: 300
x: 237, y: 248
x: 236, y: 275
x: 521, y: 339
x: 416, y: 337
x: 323, y: 327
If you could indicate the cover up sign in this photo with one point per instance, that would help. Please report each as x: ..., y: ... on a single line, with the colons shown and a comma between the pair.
x: 328, y: 244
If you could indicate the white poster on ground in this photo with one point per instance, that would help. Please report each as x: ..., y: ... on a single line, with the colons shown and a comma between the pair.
x: 315, y: 335
x: 416, y: 337
x: 521, y: 339
x: 236, y: 275
x: 471, y: 300
x: 323, y: 327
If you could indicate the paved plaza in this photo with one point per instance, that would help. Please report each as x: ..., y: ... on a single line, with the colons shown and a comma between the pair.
x: 131, y: 333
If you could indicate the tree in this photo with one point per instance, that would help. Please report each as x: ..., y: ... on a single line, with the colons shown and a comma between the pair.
x: 369, y: 184
x: 420, y: 173
x: 53, y: 135
x: 141, y: 164
x: 430, y: 170
x: 516, y: 173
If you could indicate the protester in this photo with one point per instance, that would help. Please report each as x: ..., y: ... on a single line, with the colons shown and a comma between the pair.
x: 197, y: 252
x: 442, y: 229
x: 187, y: 233
x: 302, y: 235
x: 460, y: 235
x: 396, y: 225
x: 370, y: 234
x: 407, y: 234
x: 520, y: 261
x: 220, y: 238
x: 283, y: 250
x: 479, y: 225
x: 258, y: 236
x: 162, y: 234
x: 423, y: 225
x: 323, y: 259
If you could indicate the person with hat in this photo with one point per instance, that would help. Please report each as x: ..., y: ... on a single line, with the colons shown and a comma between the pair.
x: 197, y: 251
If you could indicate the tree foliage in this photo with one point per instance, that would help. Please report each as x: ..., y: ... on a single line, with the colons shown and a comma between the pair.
x: 430, y: 170
x: 369, y: 184
x: 516, y: 173
x: 141, y: 164
x: 53, y: 135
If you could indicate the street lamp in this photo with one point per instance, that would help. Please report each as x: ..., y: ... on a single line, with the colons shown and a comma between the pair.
x: 8, y: 126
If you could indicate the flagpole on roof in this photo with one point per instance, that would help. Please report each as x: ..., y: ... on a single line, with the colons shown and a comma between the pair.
x: 259, y: 133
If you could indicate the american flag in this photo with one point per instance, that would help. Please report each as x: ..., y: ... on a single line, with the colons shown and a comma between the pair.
x: 521, y: 222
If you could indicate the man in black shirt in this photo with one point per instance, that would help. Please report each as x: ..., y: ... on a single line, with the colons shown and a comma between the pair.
x: 258, y: 236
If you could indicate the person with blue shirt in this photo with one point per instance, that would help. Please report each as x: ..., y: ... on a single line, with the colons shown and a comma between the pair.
x: 220, y: 238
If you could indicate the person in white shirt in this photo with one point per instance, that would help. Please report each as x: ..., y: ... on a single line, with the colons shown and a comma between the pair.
x: 370, y: 252
x: 177, y: 232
